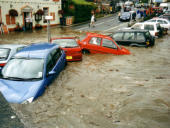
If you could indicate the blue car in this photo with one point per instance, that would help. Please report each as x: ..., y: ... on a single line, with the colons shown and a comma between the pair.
x: 30, y: 71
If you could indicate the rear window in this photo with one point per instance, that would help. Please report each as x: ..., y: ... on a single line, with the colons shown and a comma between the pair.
x: 140, y: 36
x: 129, y: 36
x: 65, y: 43
x: 149, y: 27
x: 118, y: 36
x: 4, y: 53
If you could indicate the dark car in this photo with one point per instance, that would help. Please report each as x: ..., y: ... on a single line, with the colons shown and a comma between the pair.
x: 125, y: 16
x: 134, y: 37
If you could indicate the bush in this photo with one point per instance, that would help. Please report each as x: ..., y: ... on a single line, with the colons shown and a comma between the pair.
x: 80, y: 9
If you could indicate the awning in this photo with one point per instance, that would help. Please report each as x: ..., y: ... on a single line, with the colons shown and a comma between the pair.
x: 40, y: 12
x: 13, y: 12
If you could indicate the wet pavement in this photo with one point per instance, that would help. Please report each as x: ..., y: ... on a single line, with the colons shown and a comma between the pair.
x: 102, y: 90
x: 8, y: 119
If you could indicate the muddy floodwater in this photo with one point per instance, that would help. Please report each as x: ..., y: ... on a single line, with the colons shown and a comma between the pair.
x: 103, y: 90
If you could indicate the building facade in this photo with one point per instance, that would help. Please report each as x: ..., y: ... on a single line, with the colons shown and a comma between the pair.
x: 28, y: 14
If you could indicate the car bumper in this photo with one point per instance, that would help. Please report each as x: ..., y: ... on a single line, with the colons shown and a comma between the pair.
x: 77, y: 57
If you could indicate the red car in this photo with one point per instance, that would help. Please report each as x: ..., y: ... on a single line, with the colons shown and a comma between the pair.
x: 97, y: 43
x: 71, y: 47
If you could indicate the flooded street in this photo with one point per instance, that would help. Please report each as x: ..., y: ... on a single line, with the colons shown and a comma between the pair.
x: 102, y: 90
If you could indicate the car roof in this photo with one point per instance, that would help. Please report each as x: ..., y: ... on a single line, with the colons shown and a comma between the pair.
x: 153, y: 23
x: 11, y: 46
x: 37, y: 50
x: 97, y: 35
x: 132, y: 30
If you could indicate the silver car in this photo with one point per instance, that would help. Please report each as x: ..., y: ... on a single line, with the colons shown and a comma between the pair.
x: 7, y: 50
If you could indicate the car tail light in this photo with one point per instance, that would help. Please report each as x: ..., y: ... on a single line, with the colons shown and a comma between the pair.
x: 156, y: 33
x: 2, y: 64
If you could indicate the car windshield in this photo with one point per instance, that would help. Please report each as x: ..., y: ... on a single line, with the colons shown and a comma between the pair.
x: 23, y: 69
x: 66, y: 43
x: 126, y: 14
x: 4, y: 53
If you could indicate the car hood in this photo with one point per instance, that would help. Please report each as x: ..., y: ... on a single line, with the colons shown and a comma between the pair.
x: 125, y: 51
x: 19, y: 91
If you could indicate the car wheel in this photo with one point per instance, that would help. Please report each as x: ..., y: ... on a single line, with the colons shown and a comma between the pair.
x: 85, y: 51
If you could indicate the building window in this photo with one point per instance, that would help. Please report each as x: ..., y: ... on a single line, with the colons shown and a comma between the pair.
x: 10, y: 19
x: 45, y: 10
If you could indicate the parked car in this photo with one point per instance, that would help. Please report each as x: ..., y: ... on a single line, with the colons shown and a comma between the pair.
x: 165, y: 16
x: 134, y: 37
x: 163, y: 22
x: 97, y: 43
x: 125, y: 16
x: 167, y: 12
x: 71, y: 47
x: 154, y: 28
x: 30, y: 71
x: 7, y: 50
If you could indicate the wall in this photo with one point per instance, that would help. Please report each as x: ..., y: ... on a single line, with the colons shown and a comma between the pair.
x: 6, y: 5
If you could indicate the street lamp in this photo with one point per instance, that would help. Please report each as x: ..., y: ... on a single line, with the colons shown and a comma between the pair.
x: 48, y: 18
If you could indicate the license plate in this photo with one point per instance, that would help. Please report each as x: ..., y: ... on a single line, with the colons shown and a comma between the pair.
x: 68, y: 57
x: 147, y: 42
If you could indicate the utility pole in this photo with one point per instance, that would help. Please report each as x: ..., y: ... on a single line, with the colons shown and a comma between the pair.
x: 48, y: 18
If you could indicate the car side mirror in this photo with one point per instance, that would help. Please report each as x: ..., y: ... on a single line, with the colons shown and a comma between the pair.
x: 51, y: 73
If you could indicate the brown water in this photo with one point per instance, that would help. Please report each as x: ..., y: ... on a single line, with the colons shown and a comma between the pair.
x: 103, y: 91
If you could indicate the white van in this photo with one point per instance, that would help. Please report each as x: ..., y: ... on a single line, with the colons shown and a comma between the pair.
x: 154, y: 28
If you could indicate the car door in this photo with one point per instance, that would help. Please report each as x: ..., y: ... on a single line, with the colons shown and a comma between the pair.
x: 128, y: 38
x: 118, y: 37
x: 140, y: 38
x: 54, y: 64
x: 94, y: 45
x: 108, y: 46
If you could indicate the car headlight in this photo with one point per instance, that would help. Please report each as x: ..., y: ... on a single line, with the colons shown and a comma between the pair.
x: 28, y: 100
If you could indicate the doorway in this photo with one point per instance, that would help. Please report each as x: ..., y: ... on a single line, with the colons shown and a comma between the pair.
x: 27, y: 21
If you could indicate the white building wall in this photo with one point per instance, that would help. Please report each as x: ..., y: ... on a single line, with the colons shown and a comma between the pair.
x: 6, y: 5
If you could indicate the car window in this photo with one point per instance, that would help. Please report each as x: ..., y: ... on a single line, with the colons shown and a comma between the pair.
x: 4, y: 53
x: 148, y: 35
x: 160, y: 21
x: 165, y: 22
x: 148, y: 27
x: 65, y: 43
x: 52, y: 59
x: 118, y: 36
x: 20, y: 48
x: 95, y: 40
x: 140, y: 36
x: 152, y: 21
x: 25, y: 68
x: 129, y: 36
x: 109, y: 44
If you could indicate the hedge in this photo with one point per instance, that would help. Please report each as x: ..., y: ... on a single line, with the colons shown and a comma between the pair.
x: 80, y: 9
